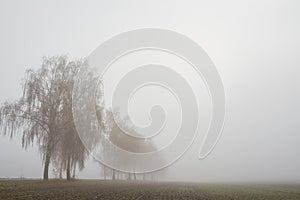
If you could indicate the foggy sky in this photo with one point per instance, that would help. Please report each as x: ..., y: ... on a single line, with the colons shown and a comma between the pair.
x: 255, y: 46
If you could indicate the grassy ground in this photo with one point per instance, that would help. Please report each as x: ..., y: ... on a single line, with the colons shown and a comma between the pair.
x: 86, y: 189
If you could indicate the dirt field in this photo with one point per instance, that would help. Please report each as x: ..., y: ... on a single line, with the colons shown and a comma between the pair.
x: 86, y: 189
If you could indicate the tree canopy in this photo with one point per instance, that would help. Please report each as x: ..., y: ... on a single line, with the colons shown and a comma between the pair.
x: 43, y: 114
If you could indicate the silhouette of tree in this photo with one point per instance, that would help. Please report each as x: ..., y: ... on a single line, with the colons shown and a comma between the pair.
x: 44, y: 114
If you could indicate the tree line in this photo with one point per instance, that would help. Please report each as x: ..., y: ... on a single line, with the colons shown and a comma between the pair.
x: 43, y: 116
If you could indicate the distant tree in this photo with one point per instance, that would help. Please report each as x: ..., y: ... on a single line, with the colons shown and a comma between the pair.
x: 116, y: 136
x: 44, y: 114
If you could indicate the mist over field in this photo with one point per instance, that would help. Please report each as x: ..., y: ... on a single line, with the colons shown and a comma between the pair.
x: 253, y: 44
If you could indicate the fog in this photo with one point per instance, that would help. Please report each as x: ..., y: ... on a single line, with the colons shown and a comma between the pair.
x: 254, y: 45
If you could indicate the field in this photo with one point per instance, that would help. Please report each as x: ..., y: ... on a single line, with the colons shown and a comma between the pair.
x: 89, y: 189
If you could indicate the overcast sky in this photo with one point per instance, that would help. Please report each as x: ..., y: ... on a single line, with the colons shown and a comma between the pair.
x: 255, y: 46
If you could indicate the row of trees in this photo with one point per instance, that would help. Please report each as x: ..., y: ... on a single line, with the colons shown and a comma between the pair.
x: 43, y: 116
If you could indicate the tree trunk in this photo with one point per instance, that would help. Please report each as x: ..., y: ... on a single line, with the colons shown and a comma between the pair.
x: 46, y: 165
x: 60, y: 171
x: 114, y: 174
x: 69, y: 168
x: 74, y: 172
x: 104, y: 172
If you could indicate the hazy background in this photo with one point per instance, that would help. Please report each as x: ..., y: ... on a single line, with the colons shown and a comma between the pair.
x: 255, y: 46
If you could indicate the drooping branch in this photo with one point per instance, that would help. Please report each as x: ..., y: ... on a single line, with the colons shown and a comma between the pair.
x: 44, y: 112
